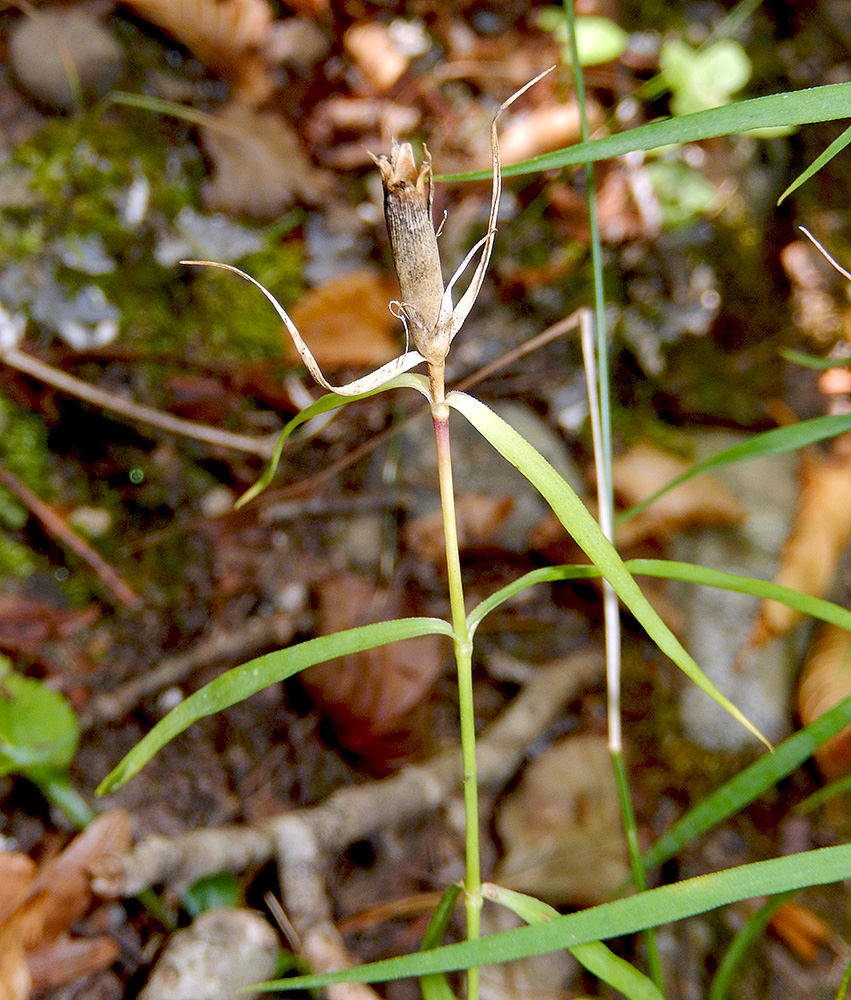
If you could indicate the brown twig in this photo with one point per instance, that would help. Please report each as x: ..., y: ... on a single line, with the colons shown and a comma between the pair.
x: 261, y: 446
x: 350, y: 814
x: 56, y: 526
x: 305, y: 840
x: 222, y: 645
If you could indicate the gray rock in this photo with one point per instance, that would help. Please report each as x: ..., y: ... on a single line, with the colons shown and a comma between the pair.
x: 221, y: 953
x: 758, y: 681
x: 40, y: 45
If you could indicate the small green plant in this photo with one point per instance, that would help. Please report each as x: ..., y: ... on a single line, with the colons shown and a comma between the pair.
x: 39, y: 734
x: 703, y: 78
x: 433, y: 320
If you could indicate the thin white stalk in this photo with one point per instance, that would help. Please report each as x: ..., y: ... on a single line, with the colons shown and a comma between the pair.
x: 611, y: 610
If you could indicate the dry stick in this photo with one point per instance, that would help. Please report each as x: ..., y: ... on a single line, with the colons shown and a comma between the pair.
x: 355, y: 812
x: 58, y: 528
x: 221, y: 645
x: 262, y: 446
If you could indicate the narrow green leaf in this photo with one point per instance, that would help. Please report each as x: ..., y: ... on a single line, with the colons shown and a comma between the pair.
x: 749, y: 784
x: 594, y: 956
x: 773, y: 442
x: 811, y: 361
x: 436, y: 986
x: 623, y: 916
x: 330, y: 401
x: 835, y: 147
x: 585, y: 531
x: 666, y: 569
x: 799, y: 107
x: 240, y: 683
x: 741, y: 944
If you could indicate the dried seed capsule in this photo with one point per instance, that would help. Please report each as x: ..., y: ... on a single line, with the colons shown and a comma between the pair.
x: 413, y: 242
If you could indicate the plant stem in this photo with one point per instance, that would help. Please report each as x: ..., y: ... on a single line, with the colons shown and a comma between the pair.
x: 464, y: 662
x: 597, y: 373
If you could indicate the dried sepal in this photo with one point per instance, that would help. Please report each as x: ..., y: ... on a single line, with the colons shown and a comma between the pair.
x: 408, y: 195
x: 377, y: 378
x: 426, y: 306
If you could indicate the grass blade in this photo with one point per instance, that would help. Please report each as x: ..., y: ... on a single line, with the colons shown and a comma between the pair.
x: 623, y: 916
x: 799, y: 107
x: 584, y: 529
x: 242, y: 682
x: 774, y: 442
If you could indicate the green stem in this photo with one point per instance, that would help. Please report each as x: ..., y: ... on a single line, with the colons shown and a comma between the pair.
x: 464, y: 662
x: 637, y: 862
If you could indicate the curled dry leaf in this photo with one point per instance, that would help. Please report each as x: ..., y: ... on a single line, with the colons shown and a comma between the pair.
x: 478, y: 519
x: 825, y: 681
x: 801, y: 930
x: 376, y: 700
x: 259, y: 165
x: 820, y: 534
x: 699, y: 503
x: 228, y: 36
x: 38, y: 906
x: 347, y: 321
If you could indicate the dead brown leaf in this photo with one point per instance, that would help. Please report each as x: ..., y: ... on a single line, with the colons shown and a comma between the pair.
x: 376, y: 54
x: 38, y: 906
x: 560, y: 829
x: 377, y: 700
x: 801, y: 930
x: 26, y: 625
x: 825, y: 681
x: 478, y: 518
x: 347, y: 321
x: 226, y: 35
x: 542, y: 130
x: 820, y: 534
x: 700, y: 503
x: 259, y: 165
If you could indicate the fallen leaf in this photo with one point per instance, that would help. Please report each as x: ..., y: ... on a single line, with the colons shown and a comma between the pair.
x: 700, y: 503
x: 478, y: 518
x: 67, y: 959
x: 228, y: 36
x: 259, y: 165
x: 376, y: 54
x: 347, y: 321
x: 561, y: 828
x: 549, y: 127
x: 38, y: 906
x: 825, y: 681
x: 820, y: 534
x: 815, y: 310
x: 377, y: 700
x: 801, y: 930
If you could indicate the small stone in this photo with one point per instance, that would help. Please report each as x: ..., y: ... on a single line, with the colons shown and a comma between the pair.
x: 93, y: 522
x: 39, y: 45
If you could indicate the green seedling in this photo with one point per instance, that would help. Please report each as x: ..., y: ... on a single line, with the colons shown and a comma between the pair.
x: 704, y: 78
x: 39, y: 735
